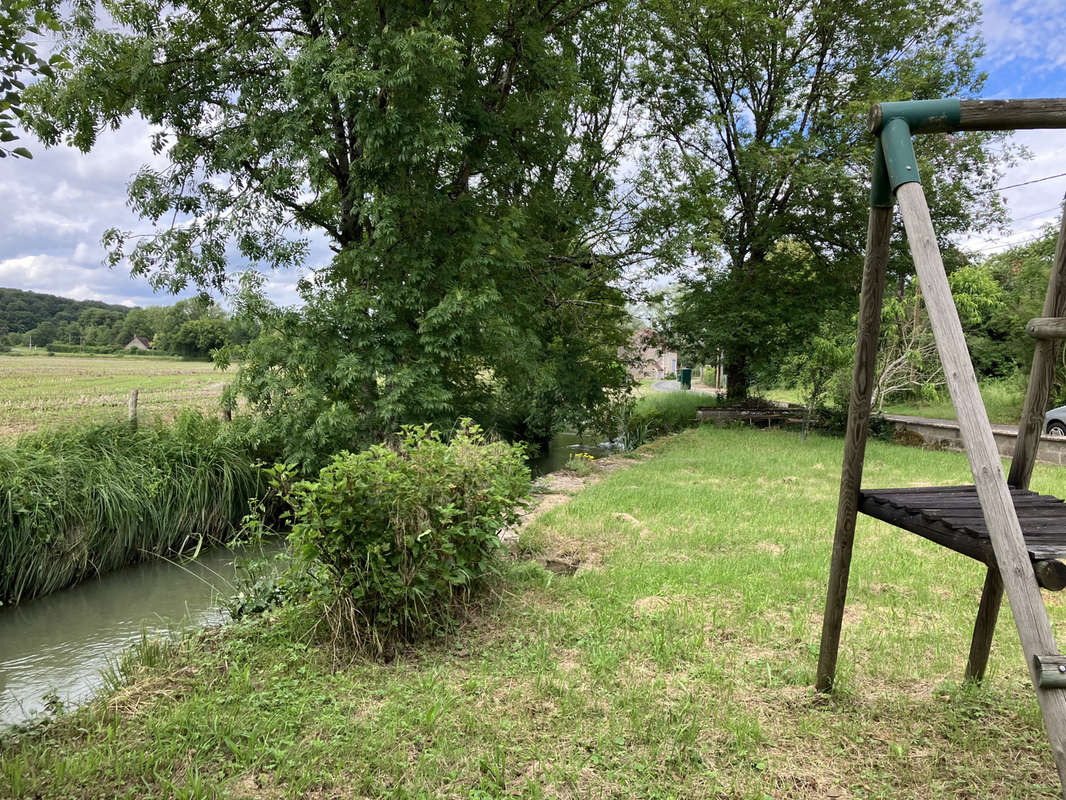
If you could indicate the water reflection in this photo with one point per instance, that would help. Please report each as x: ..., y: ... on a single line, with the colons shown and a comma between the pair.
x: 61, y: 642
x: 562, y: 446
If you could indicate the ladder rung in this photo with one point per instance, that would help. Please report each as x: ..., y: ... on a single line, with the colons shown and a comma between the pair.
x: 1047, y: 328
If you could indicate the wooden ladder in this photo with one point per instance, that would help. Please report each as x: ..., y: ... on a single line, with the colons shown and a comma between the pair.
x: 895, y: 173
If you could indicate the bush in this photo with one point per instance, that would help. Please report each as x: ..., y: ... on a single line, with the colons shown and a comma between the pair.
x: 833, y: 420
x: 407, y: 533
x: 101, y: 349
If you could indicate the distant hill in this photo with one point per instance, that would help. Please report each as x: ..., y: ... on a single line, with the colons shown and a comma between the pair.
x: 22, y: 311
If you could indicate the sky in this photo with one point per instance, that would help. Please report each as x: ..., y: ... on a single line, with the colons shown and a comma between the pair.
x: 55, y: 208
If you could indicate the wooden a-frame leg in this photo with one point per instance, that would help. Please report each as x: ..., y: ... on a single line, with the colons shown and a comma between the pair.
x: 1021, y: 469
x: 878, y: 232
x: 1001, y: 520
x: 1042, y: 374
x: 985, y: 626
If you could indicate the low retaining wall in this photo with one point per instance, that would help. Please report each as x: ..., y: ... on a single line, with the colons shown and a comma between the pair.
x: 944, y: 434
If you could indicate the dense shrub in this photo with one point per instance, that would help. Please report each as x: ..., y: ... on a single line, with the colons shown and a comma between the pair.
x: 86, y: 500
x: 407, y: 533
x: 98, y: 349
x: 833, y: 420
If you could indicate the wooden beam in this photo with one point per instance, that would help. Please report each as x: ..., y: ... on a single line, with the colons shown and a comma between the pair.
x: 878, y: 232
x: 1030, y: 614
x: 1006, y: 115
x: 1050, y: 574
x: 1041, y: 374
x: 1047, y: 328
x: 985, y: 626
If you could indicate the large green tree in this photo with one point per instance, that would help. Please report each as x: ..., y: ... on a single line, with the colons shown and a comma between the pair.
x: 758, y: 110
x: 457, y: 157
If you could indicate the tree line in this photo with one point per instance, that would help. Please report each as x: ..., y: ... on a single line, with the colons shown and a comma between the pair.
x: 190, y: 328
x: 498, y: 178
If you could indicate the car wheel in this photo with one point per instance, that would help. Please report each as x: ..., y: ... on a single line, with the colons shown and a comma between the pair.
x: 1056, y: 428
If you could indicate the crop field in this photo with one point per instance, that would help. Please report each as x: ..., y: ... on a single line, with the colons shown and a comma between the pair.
x: 38, y: 391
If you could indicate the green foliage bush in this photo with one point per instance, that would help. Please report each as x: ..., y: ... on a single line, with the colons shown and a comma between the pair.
x: 102, y: 349
x: 87, y: 500
x: 407, y: 533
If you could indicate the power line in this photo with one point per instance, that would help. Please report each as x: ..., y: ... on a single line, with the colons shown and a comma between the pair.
x: 1024, y: 183
x: 1036, y: 213
x: 1006, y: 245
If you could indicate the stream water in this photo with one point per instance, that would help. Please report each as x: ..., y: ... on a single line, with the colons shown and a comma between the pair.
x: 60, y: 643
x: 562, y: 446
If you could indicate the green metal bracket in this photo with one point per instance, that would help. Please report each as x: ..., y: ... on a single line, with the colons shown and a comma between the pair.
x: 899, y: 153
x: 880, y: 189
x: 921, y: 116
x: 1050, y: 671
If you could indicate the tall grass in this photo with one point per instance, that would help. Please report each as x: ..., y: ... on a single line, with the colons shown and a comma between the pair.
x: 88, y: 500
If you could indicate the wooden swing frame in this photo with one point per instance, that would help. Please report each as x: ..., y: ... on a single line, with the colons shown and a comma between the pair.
x: 982, y: 520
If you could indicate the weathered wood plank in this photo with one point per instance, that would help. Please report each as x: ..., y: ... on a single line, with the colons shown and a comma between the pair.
x: 878, y: 232
x: 1005, y: 115
x: 1030, y: 614
x: 1042, y: 373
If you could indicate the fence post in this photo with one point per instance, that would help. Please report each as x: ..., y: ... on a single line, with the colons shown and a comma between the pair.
x: 133, y: 409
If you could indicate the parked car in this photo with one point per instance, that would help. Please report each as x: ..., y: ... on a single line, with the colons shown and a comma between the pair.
x: 1055, y: 422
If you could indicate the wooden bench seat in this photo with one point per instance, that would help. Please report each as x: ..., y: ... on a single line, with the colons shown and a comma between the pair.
x: 951, y: 516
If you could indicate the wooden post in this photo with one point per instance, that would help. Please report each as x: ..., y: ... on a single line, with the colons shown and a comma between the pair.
x: 878, y: 231
x: 1041, y: 375
x: 1030, y: 427
x: 133, y: 409
x: 1005, y: 533
x: 985, y: 626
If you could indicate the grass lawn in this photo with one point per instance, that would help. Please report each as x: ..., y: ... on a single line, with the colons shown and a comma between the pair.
x: 676, y: 663
x: 44, y: 391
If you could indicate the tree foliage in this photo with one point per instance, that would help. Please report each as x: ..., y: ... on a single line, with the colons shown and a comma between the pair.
x: 457, y: 157
x: 22, y: 23
x: 759, y: 109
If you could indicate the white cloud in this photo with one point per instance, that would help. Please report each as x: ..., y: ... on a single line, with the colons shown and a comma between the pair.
x: 1024, y: 30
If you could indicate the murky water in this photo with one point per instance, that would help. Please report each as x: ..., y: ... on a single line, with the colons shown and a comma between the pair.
x: 562, y: 446
x: 59, y: 643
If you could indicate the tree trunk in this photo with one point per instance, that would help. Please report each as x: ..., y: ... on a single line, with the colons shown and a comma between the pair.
x: 737, y: 378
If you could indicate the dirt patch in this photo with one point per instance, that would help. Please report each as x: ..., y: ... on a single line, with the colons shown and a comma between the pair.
x: 649, y: 605
x: 640, y: 526
x: 770, y: 547
x: 255, y: 785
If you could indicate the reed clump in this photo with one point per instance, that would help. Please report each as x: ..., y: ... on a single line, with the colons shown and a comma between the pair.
x: 86, y: 500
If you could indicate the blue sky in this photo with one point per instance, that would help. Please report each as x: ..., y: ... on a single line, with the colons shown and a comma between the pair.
x: 56, y: 207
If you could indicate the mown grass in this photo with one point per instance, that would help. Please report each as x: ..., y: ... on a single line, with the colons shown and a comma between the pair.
x: 676, y: 663
x: 39, y: 391
x: 81, y: 501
